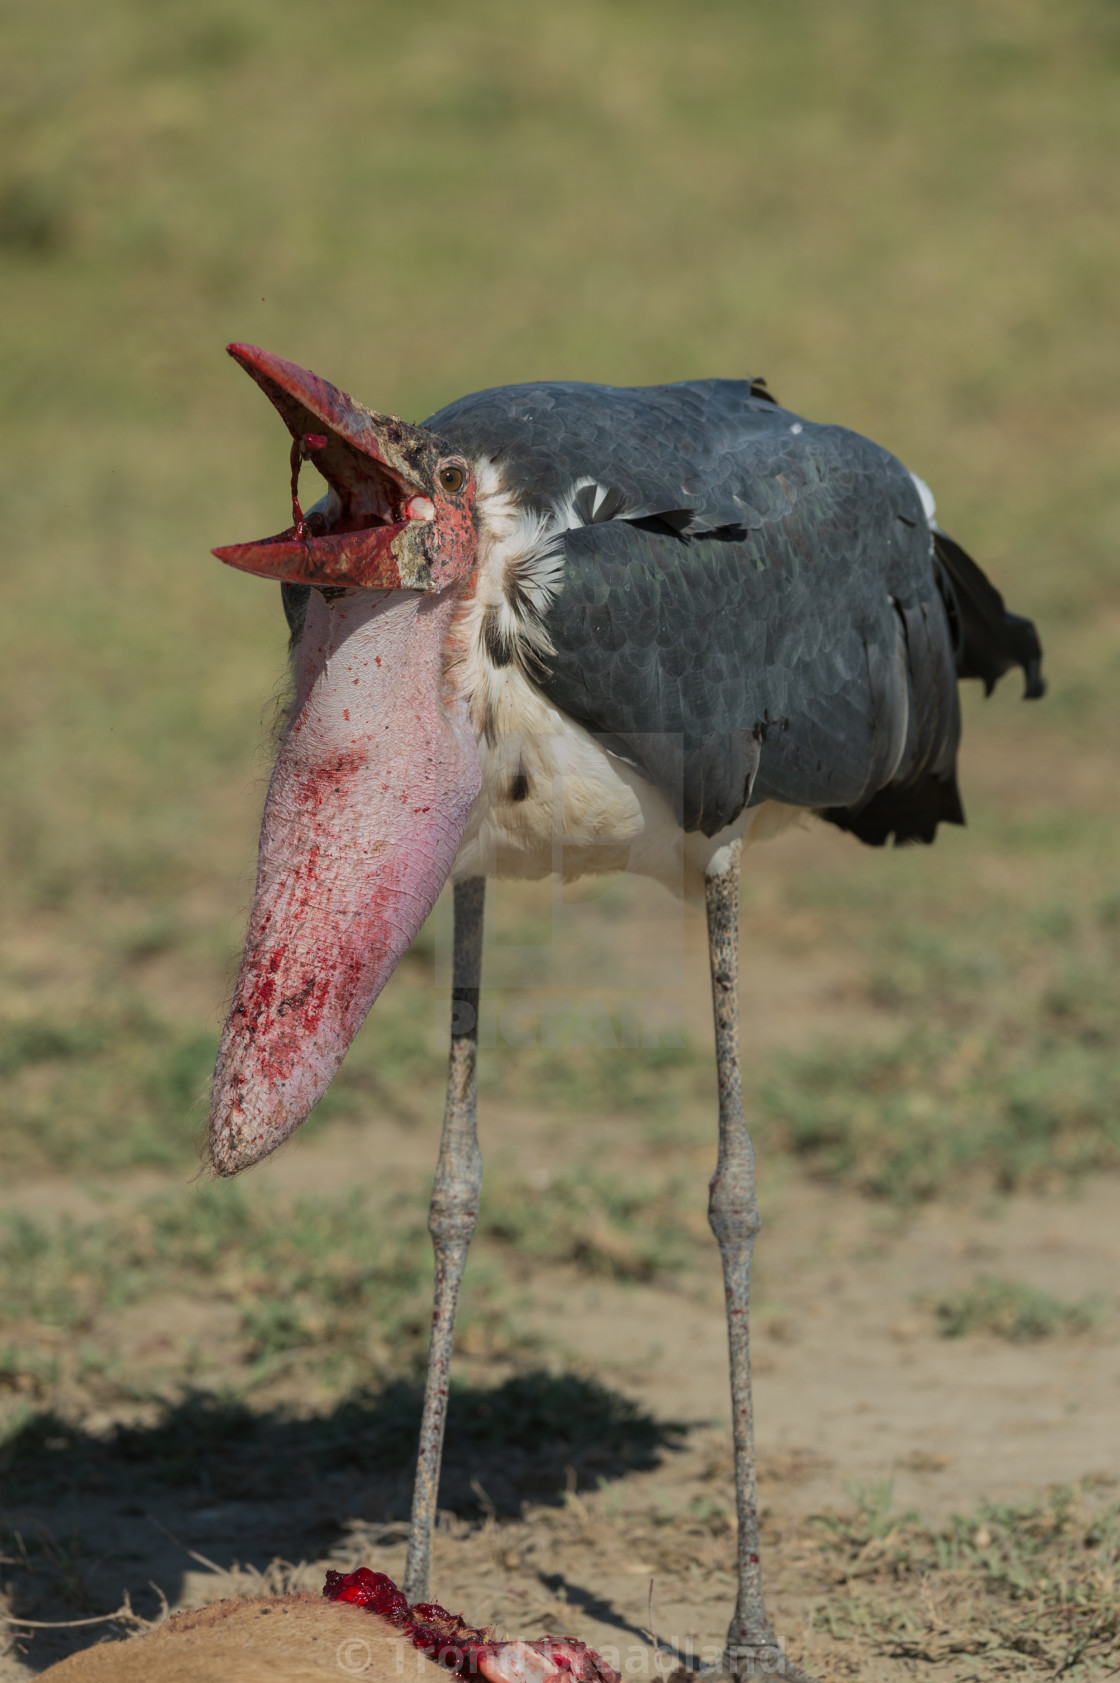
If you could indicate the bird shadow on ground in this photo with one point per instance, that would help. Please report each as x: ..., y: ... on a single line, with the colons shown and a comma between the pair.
x: 218, y: 1480
x: 534, y: 1438
x: 596, y: 1606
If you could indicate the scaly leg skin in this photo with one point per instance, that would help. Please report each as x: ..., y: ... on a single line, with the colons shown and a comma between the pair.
x: 753, y: 1650
x: 451, y: 1220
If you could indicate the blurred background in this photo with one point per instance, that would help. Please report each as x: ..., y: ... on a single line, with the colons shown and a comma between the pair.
x: 907, y: 218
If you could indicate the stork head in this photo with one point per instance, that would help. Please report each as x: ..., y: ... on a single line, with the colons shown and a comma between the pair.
x: 399, y: 509
x: 378, y: 768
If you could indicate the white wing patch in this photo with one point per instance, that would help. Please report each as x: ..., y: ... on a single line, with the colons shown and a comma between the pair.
x: 929, y: 507
x: 568, y: 516
x: 588, y: 503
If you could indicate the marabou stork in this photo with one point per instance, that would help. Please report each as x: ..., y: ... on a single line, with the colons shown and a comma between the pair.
x: 689, y: 611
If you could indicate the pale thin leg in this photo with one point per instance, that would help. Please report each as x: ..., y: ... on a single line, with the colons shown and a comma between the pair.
x: 451, y: 1220
x: 752, y: 1648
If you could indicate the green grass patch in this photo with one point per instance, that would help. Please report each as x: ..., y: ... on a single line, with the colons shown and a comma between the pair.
x: 1019, y: 1313
x: 617, y: 1225
x: 335, y: 1289
x: 1003, y: 1107
x: 118, y: 1087
x: 313, y: 1277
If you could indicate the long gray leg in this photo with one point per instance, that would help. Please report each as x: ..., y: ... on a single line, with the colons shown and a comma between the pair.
x: 752, y: 1648
x: 451, y: 1220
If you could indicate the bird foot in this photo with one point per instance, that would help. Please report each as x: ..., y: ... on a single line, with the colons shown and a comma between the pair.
x: 749, y: 1662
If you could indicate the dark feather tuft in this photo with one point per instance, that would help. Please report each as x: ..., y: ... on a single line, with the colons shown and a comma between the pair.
x: 910, y: 815
x: 989, y: 639
x: 294, y: 597
x: 499, y: 647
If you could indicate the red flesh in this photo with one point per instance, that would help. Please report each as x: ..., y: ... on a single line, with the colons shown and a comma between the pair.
x: 459, y: 1647
x: 301, y: 447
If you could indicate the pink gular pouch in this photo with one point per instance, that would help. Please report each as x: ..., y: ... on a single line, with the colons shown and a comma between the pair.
x: 378, y: 769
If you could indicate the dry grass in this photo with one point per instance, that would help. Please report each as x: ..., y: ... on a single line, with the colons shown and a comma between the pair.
x: 1030, y: 1591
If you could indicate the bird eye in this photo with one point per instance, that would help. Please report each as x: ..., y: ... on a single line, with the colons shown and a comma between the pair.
x: 452, y: 478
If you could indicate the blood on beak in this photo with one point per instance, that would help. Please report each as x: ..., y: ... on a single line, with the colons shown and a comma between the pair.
x: 377, y: 528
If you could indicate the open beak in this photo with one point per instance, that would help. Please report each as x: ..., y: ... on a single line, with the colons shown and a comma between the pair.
x: 370, y: 529
x: 378, y: 770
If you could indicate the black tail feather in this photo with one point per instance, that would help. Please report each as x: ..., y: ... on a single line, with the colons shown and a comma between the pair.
x: 989, y: 639
x: 908, y: 813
